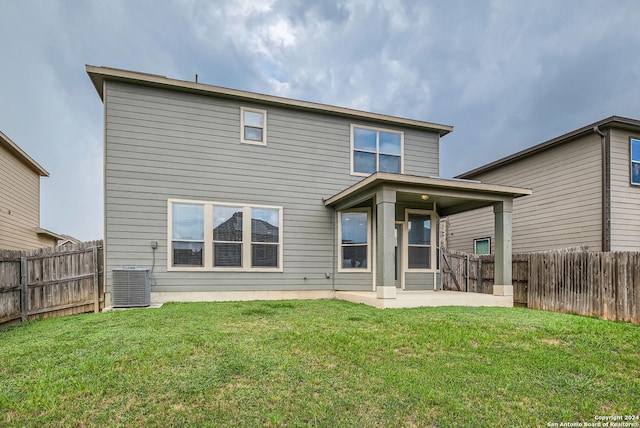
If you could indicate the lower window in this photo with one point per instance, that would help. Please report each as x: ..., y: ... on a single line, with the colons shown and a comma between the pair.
x: 419, y: 251
x: 482, y: 246
x: 422, y: 246
x: 216, y: 236
x: 187, y: 235
x: 354, y: 235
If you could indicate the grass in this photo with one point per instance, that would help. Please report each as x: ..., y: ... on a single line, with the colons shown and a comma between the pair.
x: 317, y: 363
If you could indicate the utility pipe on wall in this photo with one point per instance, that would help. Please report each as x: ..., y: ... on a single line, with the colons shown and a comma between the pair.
x: 606, y: 189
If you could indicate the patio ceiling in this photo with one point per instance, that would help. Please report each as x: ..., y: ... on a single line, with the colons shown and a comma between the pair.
x: 451, y: 196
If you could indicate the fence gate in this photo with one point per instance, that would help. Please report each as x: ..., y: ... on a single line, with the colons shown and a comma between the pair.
x: 476, y: 274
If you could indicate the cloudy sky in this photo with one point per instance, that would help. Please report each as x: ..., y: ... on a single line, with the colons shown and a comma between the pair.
x: 505, y: 74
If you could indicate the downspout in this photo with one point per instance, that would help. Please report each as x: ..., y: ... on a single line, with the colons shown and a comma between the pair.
x: 605, y: 147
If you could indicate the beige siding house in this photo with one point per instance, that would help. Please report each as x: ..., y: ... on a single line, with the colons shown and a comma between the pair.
x: 20, y: 200
x: 584, y: 193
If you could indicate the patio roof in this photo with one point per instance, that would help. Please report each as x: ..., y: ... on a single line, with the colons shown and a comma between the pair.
x: 451, y: 196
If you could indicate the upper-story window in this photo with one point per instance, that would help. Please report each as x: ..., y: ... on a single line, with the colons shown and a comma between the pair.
x: 635, y: 161
x: 253, y: 127
x: 374, y: 149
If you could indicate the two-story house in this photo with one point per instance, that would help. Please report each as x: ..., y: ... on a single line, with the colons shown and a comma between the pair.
x: 20, y: 200
x: 231, y: 195
x: 586, y: 193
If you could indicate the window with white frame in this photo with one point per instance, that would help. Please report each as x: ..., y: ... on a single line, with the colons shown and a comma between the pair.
x: 635, y: 161
x: 482, y: 246
x: 187, y: 234
x: 354, y: 240
x: 227, y: 236
x: 219, y: 236
x: 419, y: 241
x: 253, y: 126
x: 375, y: 150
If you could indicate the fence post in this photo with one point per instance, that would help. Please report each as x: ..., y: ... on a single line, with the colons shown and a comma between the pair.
x: 96, y: 285
x: 24, y: 288
x: 467, y: 273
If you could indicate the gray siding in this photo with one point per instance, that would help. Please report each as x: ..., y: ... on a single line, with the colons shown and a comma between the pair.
x: 464, y: 228
x: 421, y: 154
x: 419, y: 280
x: 625, y: 198
x: 564, y: 210
x: 163, y: 144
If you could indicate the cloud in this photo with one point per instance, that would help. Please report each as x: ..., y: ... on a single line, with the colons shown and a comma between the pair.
x: 506, y: 74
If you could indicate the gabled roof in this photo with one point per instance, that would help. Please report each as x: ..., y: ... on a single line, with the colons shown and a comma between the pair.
x: 21, y: 155
x: 617, y: 121
x: 99, y: 75
x: 50, y: 234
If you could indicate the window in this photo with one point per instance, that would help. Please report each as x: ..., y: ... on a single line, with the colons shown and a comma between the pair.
x: 355, y: 235
x: 376, y: 150
x: 482, y: 246
x: 187, y: 237
x: 635, y: 161
x: 420, y: 239
x: 217, y: 236
x: 227, y: 236
x: 254, y: 126
x: 265, y: 237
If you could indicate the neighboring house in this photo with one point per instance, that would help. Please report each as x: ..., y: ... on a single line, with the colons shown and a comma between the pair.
x: 66, y: 240
x: 20, y: 200
x: 231, y: 195
x: 586, y: 193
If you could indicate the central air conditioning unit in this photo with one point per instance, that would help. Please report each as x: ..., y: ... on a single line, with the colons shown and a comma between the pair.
x: 131, y: 287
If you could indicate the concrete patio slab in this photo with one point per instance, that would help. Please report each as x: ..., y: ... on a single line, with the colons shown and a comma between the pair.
x: 417, y: 299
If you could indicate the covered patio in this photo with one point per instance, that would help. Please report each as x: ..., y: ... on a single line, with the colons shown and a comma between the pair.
x: 405, y: 253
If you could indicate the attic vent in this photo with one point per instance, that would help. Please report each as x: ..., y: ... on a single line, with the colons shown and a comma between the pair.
x: 131, y: 287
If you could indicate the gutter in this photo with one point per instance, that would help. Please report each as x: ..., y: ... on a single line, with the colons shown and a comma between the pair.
x: 605, y: 147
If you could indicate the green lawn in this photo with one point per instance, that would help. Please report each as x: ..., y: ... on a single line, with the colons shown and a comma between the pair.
x: 317, y: 363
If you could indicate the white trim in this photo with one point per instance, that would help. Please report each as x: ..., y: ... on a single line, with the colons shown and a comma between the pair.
x: 632, y: 161
x: 401, y: 272
x: 207, y: 255
x: 377, y: 153
x: 264, y: 126
x: 476, y: 240
x: 236, y: 296
x: 434, y: 246
x: 369, y: 241
x: 170, y: 266
x: 374, y: 247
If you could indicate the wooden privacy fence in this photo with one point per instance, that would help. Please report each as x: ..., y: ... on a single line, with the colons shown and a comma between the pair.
x: 605, y: 285
x: 475, y: 274
x: 51, y: 282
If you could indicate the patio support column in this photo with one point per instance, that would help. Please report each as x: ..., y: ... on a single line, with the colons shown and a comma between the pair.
x: 385, y: 243
x: 503, y: 282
